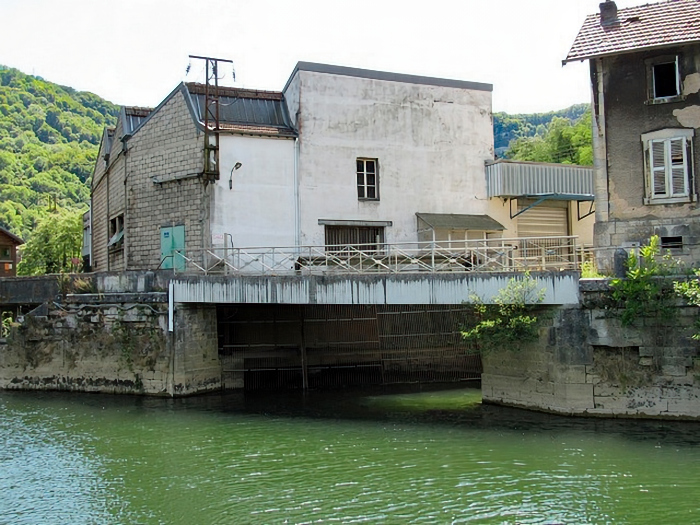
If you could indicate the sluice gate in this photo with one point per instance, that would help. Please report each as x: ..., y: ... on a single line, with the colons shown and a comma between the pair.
x: 324, y: 346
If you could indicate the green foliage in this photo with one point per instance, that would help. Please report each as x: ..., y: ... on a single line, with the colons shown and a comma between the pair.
x: 49, y: 139
x: 589, y: 270
x: 645, y: 292
x: 507, y: 128
x: 509, y: 322
x: 690, y: 291
x: 55, y: 245
x: 6, y: 322
x: 564, y: 142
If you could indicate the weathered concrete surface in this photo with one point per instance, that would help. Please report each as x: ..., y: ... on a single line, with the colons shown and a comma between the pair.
x: 114, y: 343
x: 587, y: 363
x: 415, y: 288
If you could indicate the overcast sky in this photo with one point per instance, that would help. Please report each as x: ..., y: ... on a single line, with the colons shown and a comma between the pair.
x: 135, y: 52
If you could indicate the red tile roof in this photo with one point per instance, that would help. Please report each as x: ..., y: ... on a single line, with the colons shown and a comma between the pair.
x: 651, y: 25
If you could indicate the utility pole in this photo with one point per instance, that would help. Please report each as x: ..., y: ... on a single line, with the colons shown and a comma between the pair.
x: 211, y: 117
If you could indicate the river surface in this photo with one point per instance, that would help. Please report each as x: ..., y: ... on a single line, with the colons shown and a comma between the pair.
x: 351, y: 457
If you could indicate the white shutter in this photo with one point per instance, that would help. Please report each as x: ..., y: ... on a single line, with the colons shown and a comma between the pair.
x: 657, y: 161
x: 678, y: 179
x: 542, y: 221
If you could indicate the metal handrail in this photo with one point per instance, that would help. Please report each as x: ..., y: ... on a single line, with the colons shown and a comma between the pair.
x: 484, y: 255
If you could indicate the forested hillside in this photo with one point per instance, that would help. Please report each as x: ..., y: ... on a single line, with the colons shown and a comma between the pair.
x: 510, y: 127
x: 49, y: 135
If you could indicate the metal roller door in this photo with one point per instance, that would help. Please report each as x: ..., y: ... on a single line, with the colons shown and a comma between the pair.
x: 543, y: 221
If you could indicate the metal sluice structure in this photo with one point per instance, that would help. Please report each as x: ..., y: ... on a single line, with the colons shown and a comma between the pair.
x: 487, y: 255
x: 326, y: 346
x: 288, y: 346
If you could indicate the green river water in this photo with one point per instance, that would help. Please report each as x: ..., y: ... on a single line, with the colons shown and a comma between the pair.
x: 335, y: 457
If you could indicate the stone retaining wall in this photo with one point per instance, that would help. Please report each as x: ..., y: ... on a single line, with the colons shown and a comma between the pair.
x: 587, y: 363
x: 114, y: 343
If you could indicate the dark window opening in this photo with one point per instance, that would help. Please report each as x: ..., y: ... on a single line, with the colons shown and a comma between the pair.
x: 672, y: 243
x: 665, y: 80
x: 116, y: 231
x: 348, y: 239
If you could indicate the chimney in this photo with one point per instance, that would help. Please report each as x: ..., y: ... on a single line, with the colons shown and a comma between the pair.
x: 608, y: 13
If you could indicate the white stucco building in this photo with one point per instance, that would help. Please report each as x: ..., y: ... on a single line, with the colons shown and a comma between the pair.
x: 339, y: 156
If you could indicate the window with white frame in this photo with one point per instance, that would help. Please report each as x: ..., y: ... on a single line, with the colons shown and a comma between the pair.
x: 668, y: 159
x: 664, y: 79
x: 367, y: 179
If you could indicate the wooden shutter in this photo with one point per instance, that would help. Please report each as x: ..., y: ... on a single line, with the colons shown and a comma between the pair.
x: 657, y: 162
x: 678, y: 167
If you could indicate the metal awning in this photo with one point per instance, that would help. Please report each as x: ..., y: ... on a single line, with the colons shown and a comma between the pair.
x: 456, y: 221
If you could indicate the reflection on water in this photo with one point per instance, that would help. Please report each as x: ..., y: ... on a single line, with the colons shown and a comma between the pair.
x: 359, y: 456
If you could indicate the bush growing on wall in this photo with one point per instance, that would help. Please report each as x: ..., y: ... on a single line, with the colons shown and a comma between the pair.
x: 510, y: 321
x: 646, y: 291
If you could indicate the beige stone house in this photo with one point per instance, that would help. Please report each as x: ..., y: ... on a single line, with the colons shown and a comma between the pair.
x: 645, y: 74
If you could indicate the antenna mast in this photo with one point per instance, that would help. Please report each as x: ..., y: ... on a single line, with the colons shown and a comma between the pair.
x: 211, y: 117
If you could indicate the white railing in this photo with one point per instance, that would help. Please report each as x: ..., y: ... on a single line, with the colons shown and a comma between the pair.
x: 492, y: 255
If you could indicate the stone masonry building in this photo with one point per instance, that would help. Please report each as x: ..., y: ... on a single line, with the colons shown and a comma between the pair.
x: 645, y: 75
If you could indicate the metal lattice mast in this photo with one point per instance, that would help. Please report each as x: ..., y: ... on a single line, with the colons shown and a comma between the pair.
x: 212, y: 123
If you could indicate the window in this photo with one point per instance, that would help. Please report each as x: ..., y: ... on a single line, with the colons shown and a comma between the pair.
x: 367, y: 179
x: 116, y: 231
x: 668, y: 166
x: 349, y: 238
x: 5, y: 252
x: 664, y: 79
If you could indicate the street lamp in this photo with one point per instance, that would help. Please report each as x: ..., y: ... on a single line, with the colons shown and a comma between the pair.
x: 230, y: 179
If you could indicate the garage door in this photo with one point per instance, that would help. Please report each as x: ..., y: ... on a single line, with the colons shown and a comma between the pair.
x: 543, y: 221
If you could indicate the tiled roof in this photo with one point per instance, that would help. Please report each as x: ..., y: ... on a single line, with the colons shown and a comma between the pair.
x: 651, y: 25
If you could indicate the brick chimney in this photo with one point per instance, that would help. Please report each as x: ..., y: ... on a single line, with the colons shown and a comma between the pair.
x: 608, y: 13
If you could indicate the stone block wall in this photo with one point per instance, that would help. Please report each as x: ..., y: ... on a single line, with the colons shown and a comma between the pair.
x: 113, y: 343
x: 587, y: 363
x: 163, y: 188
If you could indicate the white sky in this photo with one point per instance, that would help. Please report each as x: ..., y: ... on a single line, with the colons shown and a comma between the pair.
x: 135, y: 52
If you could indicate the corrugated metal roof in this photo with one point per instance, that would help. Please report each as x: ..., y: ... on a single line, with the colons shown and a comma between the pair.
x: 455, y: 221
x: 647, y: 26
x: 247, y: 111
x: 519, y: 179
x: 134, y: 117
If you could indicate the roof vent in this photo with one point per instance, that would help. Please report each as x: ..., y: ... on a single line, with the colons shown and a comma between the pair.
x: 608, y: 13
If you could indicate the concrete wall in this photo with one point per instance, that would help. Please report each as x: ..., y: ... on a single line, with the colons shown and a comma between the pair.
x: 627, y: 114
x: 259, y: 208
x: 586, y: 363
x: 417, y: 288
x: 430, y: 143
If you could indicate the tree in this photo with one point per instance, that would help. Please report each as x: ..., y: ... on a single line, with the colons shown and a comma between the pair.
x: 564, y: 142
x: 55, y: 245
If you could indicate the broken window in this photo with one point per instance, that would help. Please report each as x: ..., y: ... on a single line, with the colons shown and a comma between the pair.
x: 116, y: 231
x: 367, y: 179
x: 664, y: 79
x: 668, y: 165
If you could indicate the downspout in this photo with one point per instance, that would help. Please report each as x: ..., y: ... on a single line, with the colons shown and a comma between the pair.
x: 125, y: 237
x: 108, y: 216
x: 297, y: 204
x: 600, y: 156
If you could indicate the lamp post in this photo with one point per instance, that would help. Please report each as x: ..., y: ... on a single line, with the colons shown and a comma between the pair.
x: 236, y: 166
